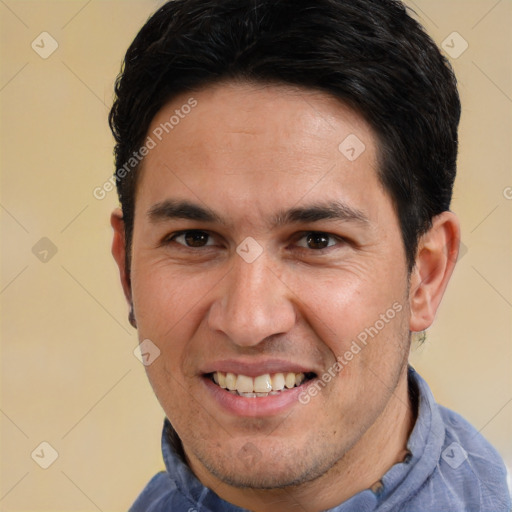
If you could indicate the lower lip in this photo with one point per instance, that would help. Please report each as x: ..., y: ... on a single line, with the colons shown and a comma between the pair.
x: 253, y: 407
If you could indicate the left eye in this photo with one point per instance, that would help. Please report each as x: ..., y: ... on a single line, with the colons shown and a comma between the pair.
x: 316, y: 241
x: 193, y: 239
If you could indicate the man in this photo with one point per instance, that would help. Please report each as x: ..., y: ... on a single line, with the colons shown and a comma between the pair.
x: 285, y: 170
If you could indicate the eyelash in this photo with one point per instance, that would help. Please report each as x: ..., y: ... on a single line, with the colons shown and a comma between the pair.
x: 337, y: 239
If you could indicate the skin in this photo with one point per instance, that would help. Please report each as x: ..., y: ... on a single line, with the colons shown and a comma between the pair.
x: 249, y: 153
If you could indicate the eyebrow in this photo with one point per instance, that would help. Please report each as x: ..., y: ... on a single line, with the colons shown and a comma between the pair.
x: 170, y: 209
x: 334, y: 210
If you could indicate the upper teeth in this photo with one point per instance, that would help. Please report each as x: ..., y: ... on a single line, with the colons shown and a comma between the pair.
x: 261, y: 384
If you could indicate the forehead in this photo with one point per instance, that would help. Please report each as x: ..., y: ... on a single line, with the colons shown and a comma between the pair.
x: 258, y: 144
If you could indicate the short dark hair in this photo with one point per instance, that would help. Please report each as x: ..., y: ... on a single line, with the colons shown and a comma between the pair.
x: 370, y: 54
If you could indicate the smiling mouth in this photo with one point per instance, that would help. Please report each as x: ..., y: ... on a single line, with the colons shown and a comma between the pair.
x: 260, y: 386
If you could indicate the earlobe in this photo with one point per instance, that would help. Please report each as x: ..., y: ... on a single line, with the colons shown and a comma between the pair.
x: 435, y: 260
x: 131, y: 317
x: 119, y: 251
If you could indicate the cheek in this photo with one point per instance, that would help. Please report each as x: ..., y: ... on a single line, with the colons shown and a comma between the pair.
x: 344, y: 302
x: 361, y: 318
x: 169, y: 308
x: 164, y: 295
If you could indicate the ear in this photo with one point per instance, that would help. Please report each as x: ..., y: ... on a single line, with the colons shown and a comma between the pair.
x: 119, y: 252
x: 435, y: 260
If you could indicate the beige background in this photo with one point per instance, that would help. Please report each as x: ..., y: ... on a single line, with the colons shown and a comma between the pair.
x: 69, y: 376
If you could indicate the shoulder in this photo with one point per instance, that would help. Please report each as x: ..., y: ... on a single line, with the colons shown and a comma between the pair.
x: 476, y: 453
x: 469, y: 476
x: 467, y: 452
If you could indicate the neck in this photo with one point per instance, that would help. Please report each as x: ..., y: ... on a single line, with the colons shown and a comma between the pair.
x: 381, y: 446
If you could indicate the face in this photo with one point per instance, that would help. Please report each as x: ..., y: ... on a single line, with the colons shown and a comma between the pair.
x: 267, y: 258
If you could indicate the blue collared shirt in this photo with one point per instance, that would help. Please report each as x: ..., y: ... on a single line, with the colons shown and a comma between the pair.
x: 450, y: 467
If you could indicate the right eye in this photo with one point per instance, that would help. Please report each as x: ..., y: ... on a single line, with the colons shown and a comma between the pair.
x: 192, y: 239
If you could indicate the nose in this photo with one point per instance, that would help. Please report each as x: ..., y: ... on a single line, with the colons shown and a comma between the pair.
x: 253, y: 304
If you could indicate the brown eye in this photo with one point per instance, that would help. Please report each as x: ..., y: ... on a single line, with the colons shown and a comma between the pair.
x: 317, y: 241
x: 193, y: 239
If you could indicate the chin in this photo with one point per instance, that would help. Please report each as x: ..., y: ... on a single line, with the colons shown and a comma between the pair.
x: 261, y: 478
x: 251, y: 468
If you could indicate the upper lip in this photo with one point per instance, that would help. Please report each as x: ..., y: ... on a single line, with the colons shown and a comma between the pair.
x: 255, y: 368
